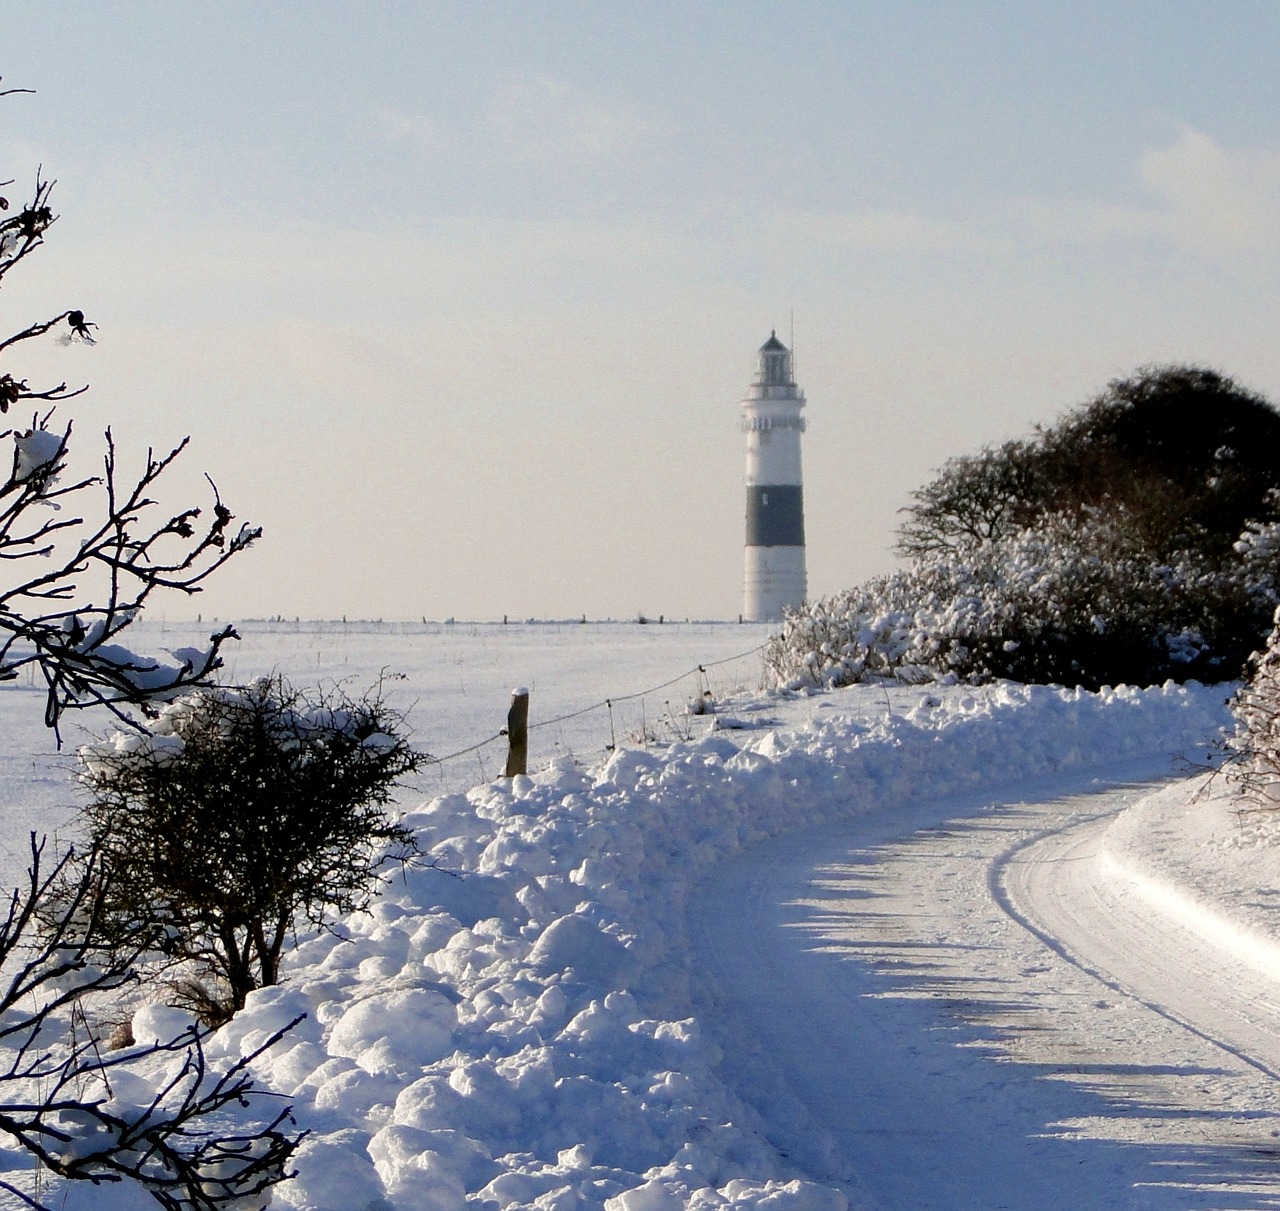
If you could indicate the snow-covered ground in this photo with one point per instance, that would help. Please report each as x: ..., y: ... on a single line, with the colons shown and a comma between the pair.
x: 988, y: 1010
x: 454, y: 680
x: 870, y: 951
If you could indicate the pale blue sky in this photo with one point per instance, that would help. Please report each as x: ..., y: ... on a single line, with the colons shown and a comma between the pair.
x: 459, y: 300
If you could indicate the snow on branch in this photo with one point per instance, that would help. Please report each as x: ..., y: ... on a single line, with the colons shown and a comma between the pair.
x: 69, y: 1105
x: 80, y: 556
x: 80, y: 582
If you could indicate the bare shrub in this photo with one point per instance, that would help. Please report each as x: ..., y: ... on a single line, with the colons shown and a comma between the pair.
x: 1254, y: 749
x: 244, y: 813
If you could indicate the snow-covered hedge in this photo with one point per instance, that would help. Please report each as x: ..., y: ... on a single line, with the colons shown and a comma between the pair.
x: 1064, y: 603
x: 1133, y: 541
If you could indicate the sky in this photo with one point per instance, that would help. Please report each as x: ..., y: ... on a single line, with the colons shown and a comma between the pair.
x: 459, y: 301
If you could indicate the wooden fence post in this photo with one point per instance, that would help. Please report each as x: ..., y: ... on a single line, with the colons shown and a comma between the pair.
x: 518, y: 734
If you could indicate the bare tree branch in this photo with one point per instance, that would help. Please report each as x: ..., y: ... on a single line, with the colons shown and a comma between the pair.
x: 81, y: 556
x: 56, y: 1098
x: 122, y: 556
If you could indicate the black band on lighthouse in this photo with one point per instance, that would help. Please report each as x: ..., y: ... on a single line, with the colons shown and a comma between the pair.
x: 775, y: 515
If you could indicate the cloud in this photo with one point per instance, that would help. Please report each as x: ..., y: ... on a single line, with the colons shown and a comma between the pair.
x: 1040, y: 221
x: 424, y: 133
x: 543, y: 120
x: 890, y: 232
x: 1207, y: 200
x: 546, y: 117
x: 1215, y: 200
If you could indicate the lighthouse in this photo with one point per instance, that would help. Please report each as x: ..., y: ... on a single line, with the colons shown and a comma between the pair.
x: 775, y: 572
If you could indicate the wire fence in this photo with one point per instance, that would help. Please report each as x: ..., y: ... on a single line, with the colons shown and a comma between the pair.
x: 678, y: 709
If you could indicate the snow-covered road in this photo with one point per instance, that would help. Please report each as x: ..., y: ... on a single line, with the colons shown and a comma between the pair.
x: 528, y: 1027
x: 973, y: 1006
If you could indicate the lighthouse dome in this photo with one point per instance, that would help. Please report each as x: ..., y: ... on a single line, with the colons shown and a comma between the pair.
x: 775, y: 364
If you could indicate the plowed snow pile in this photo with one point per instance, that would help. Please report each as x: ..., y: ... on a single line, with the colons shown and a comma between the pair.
x: 513, y: 1029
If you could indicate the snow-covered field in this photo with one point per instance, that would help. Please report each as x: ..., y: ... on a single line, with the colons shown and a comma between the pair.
x: 826, y: 953
x: 454, y: 680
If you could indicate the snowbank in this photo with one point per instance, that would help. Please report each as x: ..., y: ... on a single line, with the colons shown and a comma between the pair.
x: 517, y: 1033
x: 1207, y: 858
x: 513, y: 1029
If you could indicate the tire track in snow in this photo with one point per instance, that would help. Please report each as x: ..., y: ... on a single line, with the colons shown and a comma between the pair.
x: 1058, y: 886
x: 948, y: 995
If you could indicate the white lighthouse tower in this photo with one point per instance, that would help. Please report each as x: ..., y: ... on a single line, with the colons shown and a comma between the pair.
x: 775, y: 572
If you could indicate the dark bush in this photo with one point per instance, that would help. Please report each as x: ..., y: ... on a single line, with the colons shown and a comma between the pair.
x: 244, y: 814
x: 82, y: 553
x: 1135, y: 541
x: 1177, y: 458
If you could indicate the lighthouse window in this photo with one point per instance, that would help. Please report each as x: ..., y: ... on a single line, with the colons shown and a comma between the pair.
x: 764, y: 498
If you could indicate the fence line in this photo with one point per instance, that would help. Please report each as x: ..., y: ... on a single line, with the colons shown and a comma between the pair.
x: 658, y: 730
